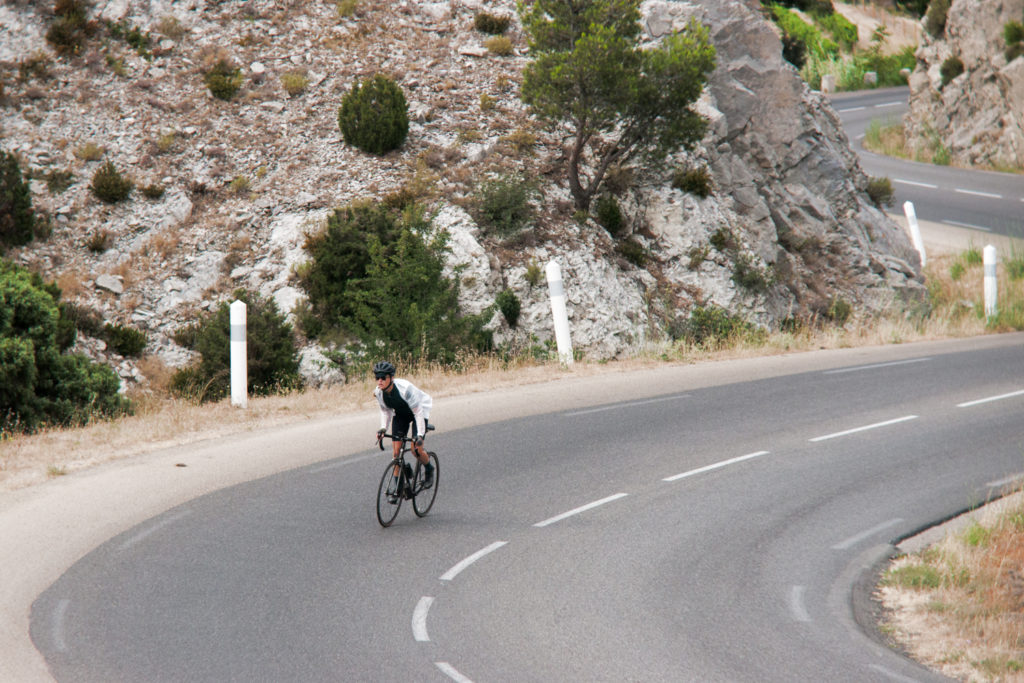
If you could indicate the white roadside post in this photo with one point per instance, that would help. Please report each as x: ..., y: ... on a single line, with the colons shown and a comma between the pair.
x: 557, y: 291
x: 915, y: 230
x: 990, y: 280
x: 239, y: 364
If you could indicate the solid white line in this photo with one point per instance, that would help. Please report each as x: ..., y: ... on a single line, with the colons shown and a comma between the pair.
x: 854, y: 540
x: 454, y: 571
x: 419, y: 619
x: 969, y: 226
x: 58, y: 625
x: 975, y: 193
x: 625, y: 405
x: 582, y: 508
x: 171, y: 519
x: 989, y: 399
x: 876, y: 365
x: 865, y: 428
x: 715, y: 466
x: 796, y: 604
x: 915, y: 183
x: 843, y: 111
x: 449, y: 671
x: 1003, y: 482
x: 889, y: 104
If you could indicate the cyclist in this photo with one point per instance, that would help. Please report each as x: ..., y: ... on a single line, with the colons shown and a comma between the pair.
x: 402, y: 404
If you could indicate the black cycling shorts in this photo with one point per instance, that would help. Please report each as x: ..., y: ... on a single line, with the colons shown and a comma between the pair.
x: 400, y: 427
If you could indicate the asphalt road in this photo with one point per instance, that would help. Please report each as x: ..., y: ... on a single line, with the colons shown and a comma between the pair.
x: 713, y: 531
x: 978, y: 200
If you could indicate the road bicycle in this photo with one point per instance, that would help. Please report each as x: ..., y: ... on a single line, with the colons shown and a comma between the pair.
x: 402, y: 482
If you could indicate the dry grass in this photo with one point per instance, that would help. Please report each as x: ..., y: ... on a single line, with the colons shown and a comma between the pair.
x: 958, y: 606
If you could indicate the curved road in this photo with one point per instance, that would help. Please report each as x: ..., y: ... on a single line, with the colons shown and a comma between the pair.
x: 978, y: 200
x: 710, y: 532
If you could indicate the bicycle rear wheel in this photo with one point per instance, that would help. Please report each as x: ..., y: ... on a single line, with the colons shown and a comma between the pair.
x: 389, y: 498
x: 424, y: 498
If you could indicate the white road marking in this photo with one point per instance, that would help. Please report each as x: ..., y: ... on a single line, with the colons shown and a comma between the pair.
x: 625, y: 405
x: 915, y: 183
x: 969, y: 226
x: 715, y: 466
x: 975, y: 193
x: 990, y: 399
x: 843, y: 111
x: 582, y: 508
x: 1003, y: 482
x: 166, y: 521
x: 450, y: 671
x: 826, y: 437
x: 889, y: 104
x: 419, y: 619
x: 796, y: 604
x: 875, y: 365
x: 58, y: 625
x: 854, y: 540
x: 454, y: 571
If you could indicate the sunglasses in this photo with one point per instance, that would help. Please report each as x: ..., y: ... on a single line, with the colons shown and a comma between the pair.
x: 381, y: 376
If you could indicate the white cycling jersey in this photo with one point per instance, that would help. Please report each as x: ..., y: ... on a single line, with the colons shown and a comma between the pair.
x: 419, y: 403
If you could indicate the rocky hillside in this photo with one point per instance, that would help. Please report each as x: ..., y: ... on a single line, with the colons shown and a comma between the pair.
x: 975, y: 110
x: 787, y: 231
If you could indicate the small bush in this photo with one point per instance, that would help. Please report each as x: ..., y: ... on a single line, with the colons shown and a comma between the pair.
x: 109, y: 186
x: 67, y: 35
x: 839, y: 310
x: 503, y: 206
x: 935, y: 17
x: 634, y: 252
x: 374, y: 116
x: 509, y: 305
x: 494, y: 24
x: 722, y: 240
x: 294, y: 83
x: 58, y: 181
x: 17, y: 218
x: 240, y: 185
x: 125, y: 340
x: 499, y: 45
x: 153, y: 191
x: 880, y: 191
x: 533, y: 274
x: 696, y: 181
x: 346, y: 8
x: 914, y: 576
x: 608, y: 215
x: 1013, y: 34
x: 712, y: 327
x: 90, y: 151
x: 1014, y: 265
x: 223, y: 80
x: 748, y: 275
x: 99, y: 241
x: 951, y: 68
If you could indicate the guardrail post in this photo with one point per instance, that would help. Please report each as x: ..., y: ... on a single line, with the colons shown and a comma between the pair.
x: 990, y: 281
x: 915, y: 229
x: 239, y: 363
x: 557, y: 291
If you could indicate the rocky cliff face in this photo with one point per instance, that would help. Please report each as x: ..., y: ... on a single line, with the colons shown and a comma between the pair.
x: 979, y: 115
x: 787, y: 230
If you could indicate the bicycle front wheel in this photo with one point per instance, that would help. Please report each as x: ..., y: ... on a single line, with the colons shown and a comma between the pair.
x: 389, y: 498
x: 424, y: 498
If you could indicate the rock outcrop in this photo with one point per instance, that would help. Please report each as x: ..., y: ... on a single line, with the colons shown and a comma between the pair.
x: 978, y: 116
x: 787, y: 231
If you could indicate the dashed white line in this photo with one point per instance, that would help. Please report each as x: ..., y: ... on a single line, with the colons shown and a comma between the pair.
x: 826, y: 437
x: 976, y: 193
x: 969, y: 226
x: 796, y: 604
x: 59, y: 613
x: 715, y: 466
x: 875, y: 365
x: 166, y: 521
x: 454, y: 571
x: 419, y: 619
x: 854, y: 540
x: 451, y: 672
x: 915, y: 183
x: 582, y: 508
x: 968, y: 404
x: 889, y: 104
x: 843, y: 111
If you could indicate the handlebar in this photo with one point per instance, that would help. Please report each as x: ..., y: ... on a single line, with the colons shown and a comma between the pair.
x: 396, y: 437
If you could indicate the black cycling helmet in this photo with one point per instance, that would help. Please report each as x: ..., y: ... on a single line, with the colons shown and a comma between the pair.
x: 382, y: 369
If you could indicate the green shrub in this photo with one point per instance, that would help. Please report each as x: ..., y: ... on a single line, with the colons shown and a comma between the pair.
x: 634, y: 252
x: 935, y: 17
x: 57, y: 181
x: 223, y: 80
x: 797, y: 29
x: 839, y: 310
x: 914, y: 576
x: 534, y: 273
x: 294, y: 83
x: 374, y: 116
x: 499, y: 45
x: 272, y: 359
x: 109, y: 186
x: 99, y: 241
x: 748, y: 275
x: 951, y: 68
x: 509, y: 305
x: 880, y: 191
x: 712, y: 327
x: 915, y: 8
x: 40, y: 385
x: 125, y: 340
x: 153, y: 191
x: 696, y: 181
x: 502, y: 205
x: 842, y: 29
x: 495, y: 24
x: 608, y: 215
x: 17, y: 219
x: 1013, y: 34
x: 70, y: 28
